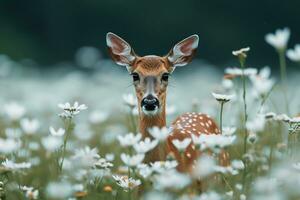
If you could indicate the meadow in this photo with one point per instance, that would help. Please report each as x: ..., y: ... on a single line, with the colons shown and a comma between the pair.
x: 71, y: 133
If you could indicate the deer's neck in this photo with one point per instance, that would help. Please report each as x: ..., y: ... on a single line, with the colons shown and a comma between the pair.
x: 146, y: 122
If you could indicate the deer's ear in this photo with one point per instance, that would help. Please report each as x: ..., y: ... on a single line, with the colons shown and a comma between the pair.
x: 120, y: 51
x: 183, y: 52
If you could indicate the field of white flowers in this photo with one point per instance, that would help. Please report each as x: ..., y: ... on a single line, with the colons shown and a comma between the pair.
x: 72, y: 134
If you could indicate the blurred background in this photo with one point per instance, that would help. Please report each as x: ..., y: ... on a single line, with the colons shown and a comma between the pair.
x: 50, y: 32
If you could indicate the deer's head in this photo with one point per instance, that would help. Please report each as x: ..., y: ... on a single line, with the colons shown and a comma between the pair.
x: 150, y: 73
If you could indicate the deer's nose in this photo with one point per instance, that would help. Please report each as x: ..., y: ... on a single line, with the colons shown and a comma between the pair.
x: 150, y: 103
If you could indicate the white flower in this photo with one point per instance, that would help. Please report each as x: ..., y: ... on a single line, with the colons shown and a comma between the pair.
x: 228, y: 131
x: 170, y: 164
x: 59, y: 132
x: 30, y: 126
x: 213, y: 141
x: 239, y: 72
x: 30, y: 193
x: 243, y: 197
x: 204, y: 167
x: 241, y: 52
x: 159, y: 133
x: 129, y: 139
x: 52, y: 143
x: 280, y: 39
x: 163, y: 166
x: 14, y: 110
x: 262, y: 84
x: 145, y: 145
x: 237, y: 164
x: 109, y: 157
x: 282, y: 117
x: 15, y: 166
x: 294, y: 54
x: 144, y: 170
x: 59, y: 190
x: 171, y: 180
x: 126, y: 183
x: 158, y: 166
x: 182, y: 145
x: 225, y: 170
x: 130, y: 100
x: 132, y: 161
x: 222, y: 97
x: 9, y: 145
x: 239, y: 186
x: 71, y: 111
x: 86, y: 157
x: 103, y: 163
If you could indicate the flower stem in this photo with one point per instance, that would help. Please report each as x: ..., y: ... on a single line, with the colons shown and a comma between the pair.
x: 69, y: 127
x: 245, y: 119
x: 282, y: 63
x: 271, y: 145
x: 221, y: 116
x: 283, y: 75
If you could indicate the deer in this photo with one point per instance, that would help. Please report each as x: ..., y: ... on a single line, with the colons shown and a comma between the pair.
x: 150, y: 76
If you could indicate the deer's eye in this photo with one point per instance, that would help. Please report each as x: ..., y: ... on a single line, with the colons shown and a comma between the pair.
x: 165, y: 77
x: 135, y: 77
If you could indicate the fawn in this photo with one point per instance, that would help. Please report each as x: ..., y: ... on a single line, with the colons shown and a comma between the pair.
x: 150, y: 78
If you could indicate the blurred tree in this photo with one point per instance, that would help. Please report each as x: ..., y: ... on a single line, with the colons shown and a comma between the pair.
x: 51, y: 31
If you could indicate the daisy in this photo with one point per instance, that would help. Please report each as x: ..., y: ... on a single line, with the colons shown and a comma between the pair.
x: 228, y: 131
x: 222, y: 97
x: 241, y: 52
x: 70, y: 111
x: 132, y: 161
x: 213, y: 141
x: 145, y: 145
x: 294, y: 54
x: 237, y: 164
x: 182, y: 145
x: 129, y: 139
x: 30, y: 193
x: 103, y: 163
x: 204, y: 167
x: 144, y: 170
x: 86, y: 157
x: 239, y: 72
x: 59, y: 132
x: 171, y: 180
x: 159, y: 133
x: 30, y: 126
x: 261, y: 82
x: 279, y: 39
x: 15, y: 166
x: 126, y: 183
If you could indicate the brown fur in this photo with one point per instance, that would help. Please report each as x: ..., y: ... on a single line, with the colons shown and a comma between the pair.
x: 154, y: 67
